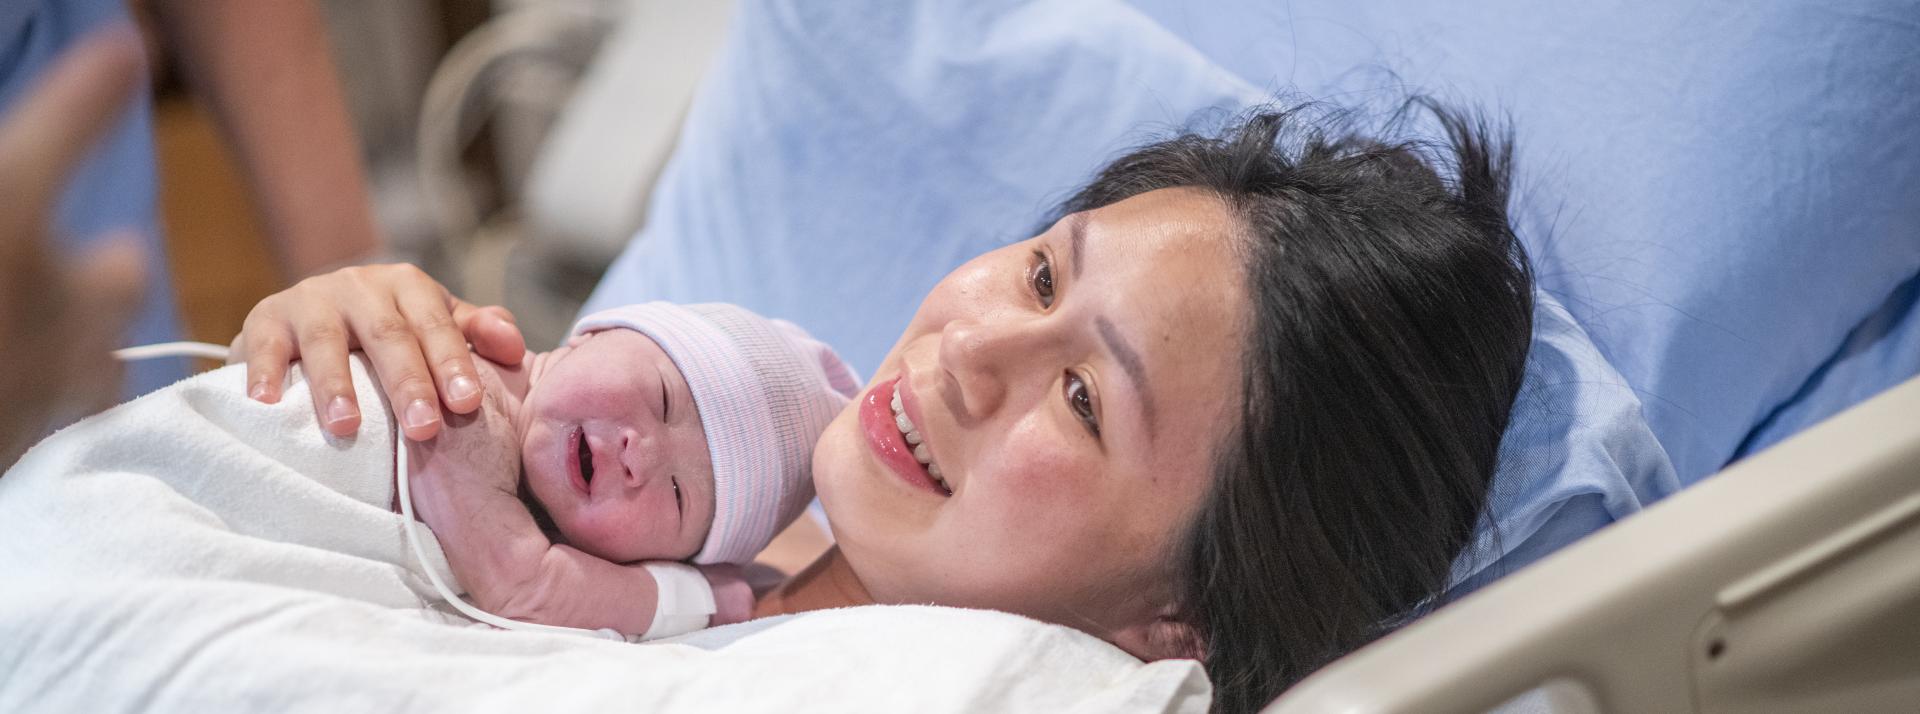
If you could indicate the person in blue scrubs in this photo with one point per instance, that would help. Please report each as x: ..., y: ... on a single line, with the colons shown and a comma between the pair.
x: 59, y: 316
x: 265, y: 72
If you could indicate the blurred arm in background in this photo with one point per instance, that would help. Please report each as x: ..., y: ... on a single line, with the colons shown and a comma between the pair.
x: 265, y: 71
x: 60, y: 316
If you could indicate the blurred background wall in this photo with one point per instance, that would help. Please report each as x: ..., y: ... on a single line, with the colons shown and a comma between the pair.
x: 457, y: 212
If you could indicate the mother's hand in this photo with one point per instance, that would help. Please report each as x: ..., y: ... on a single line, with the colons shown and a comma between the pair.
x: 413, y: 331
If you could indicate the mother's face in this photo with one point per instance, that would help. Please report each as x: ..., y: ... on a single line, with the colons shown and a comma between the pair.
x: 1069, y: 391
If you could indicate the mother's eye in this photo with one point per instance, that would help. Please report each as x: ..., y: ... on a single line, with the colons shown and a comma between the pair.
x: 1080, y: 400
x: 1040, y: 279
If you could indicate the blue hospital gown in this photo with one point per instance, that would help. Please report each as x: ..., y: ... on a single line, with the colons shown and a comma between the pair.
x: 115, y: 189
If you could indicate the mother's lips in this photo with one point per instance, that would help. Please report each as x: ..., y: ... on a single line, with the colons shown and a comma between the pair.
x: 906, y: 418
x: 884, y: 438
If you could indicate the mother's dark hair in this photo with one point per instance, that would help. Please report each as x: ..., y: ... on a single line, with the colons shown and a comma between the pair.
x: 1391, y: 310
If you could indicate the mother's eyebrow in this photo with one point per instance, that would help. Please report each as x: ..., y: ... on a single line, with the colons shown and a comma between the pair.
x: 1129, y: 363
x: 1077, y: 239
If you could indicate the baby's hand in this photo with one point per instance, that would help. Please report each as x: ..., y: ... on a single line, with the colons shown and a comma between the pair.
x: 732, y: 597
x: 474, y: 455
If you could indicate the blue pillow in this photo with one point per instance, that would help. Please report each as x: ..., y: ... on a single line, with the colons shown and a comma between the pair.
x: 842, y: 157
x: 1577, y: 454
x: 1732, y: 187
x: 1884, y: 350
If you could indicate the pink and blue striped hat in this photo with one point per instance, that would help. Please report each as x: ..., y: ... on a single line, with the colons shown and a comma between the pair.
x: 765, y: 390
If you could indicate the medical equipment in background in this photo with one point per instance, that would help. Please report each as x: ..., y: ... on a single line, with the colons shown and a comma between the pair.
x: 622, y: 73
x: 683, y: 604
x: 1790, y: 582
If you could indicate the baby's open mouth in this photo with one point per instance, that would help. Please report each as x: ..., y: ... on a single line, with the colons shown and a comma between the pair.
x: 586, y: 458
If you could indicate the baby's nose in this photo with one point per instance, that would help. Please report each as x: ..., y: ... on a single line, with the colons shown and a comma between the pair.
x: 638, y: 456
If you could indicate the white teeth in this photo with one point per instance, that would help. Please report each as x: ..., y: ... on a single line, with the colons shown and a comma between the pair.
x: 900, y: 420
x: 907, y: 430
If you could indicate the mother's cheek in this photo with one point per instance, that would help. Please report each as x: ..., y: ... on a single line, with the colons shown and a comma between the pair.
x: 1037, y: 472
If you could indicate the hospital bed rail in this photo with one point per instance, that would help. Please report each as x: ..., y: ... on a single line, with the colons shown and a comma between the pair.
x: 1788, y: 582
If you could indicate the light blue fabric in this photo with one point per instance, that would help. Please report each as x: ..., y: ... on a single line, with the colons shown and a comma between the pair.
x: 114, y: 190
x: 842, y: 157
x: 1883, y: 351
x: 1731, y: 186
x: 1577, y: 454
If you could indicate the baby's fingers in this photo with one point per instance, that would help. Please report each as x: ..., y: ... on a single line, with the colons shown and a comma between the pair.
x: 732, y: 596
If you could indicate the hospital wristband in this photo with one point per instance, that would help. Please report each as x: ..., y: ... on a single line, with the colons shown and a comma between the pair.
x: 685, y: 601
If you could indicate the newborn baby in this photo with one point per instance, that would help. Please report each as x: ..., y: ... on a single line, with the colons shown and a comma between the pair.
x: 658, y: 433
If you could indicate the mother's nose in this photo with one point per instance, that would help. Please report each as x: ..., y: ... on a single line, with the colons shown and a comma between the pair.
x: 984, y: 358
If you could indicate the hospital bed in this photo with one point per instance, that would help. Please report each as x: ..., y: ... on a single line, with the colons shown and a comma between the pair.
x: 1788, y: 583
x: 1785, y: 583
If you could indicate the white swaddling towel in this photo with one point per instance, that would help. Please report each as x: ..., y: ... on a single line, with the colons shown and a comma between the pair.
x: 194, y: 550
x: 202, y: 482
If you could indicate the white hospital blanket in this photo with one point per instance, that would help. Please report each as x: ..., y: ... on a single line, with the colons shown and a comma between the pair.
x: 196, y: 550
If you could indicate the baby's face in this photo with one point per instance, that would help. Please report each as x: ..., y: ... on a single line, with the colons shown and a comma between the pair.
x: 614, y: 450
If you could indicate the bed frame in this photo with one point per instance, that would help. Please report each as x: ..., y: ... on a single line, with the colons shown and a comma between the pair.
x: 1790, y: 582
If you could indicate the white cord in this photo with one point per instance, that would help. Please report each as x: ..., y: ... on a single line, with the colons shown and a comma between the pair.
x: 172, y: 349
x: 420, y: 553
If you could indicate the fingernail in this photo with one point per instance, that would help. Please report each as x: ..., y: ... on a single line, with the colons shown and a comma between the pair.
x: 462, y: 388
x: 258, y: 392
x: 340, y: 409
x: 420, y: 413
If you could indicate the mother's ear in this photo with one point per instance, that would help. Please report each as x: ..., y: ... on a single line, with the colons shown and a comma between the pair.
x: 1164, y: 636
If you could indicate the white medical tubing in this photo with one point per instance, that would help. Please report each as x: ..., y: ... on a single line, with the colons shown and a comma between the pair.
x: 172, y: 349
x: 420, y: 553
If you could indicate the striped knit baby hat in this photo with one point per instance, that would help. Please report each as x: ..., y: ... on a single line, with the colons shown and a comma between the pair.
x: 765, y: 390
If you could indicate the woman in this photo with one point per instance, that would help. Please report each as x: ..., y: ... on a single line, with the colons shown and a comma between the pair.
x: 1241, y: 403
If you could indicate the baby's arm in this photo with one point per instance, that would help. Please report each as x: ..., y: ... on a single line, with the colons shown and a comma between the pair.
x: 464, y: 486
x: 574, y: 589
x: 533, y: 580
x: 570, y: 588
